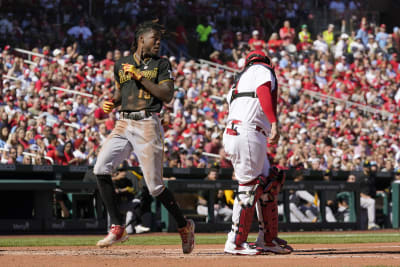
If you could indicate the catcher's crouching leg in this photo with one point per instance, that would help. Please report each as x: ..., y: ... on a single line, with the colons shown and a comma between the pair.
x: 267, y: 213
x: 243, y: 212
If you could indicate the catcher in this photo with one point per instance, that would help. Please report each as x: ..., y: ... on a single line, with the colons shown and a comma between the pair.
x: 252, y: 120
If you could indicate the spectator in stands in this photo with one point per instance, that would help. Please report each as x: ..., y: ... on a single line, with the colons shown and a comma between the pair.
x: 341, y: 46
x: 4, y: 120
x: 214, y: 145
x: 389, y: 166
x: 362, y: 34
x: 81, y: 32
x: 181, y: 40
x: 356, y: 46
x: 223, y: 161
x: 304, y: 35
x: 99, y: 115
x: 21, y: 138
x: 255, y: 43
x: 27, y: 160
x: 274, y: 44
x: 203, y: 30
x: 6, y: 27
x: 382, y: 37
x: 4, y: 132
x: 238, y: 45
x: 396, y: 38
x: 328, y: 35
x: 337, y: 7
x: 286, y: 33
x: 108, y: 62
x: 215, y: 42
x: 9, y: 157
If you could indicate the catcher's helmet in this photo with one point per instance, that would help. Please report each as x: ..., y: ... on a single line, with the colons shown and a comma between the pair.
x: 256, y: 56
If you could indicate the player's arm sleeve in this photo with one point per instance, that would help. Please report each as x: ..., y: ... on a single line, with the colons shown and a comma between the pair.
x: 268, y: 100
x: 164, y: 72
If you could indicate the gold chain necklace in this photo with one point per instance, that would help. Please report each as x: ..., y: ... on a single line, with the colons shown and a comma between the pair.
x: 146, y: 65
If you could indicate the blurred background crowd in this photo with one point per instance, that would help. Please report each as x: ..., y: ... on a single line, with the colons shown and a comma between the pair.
x: 331, y: 58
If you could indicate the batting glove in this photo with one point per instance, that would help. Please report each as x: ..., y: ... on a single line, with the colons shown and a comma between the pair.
x: 108, y: 106
x: 135, y: 73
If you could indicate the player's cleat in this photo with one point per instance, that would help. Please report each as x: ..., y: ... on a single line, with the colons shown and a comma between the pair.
x: 116, y: 234
x: 139, y: 229
x: 187, y: 236
x: 373, y: 226
x: 274, y: 247
x: 283, y: 243
x: 242, y: 249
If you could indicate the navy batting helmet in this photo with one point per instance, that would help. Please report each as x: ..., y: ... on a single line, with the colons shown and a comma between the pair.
x: 256, y: 56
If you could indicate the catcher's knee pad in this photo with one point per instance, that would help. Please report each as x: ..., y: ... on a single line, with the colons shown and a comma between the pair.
x: 272, y: 184
x: 274, y: 181
x: 243, y: 211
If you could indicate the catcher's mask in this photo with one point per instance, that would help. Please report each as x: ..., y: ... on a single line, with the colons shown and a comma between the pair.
x: 256, y: 56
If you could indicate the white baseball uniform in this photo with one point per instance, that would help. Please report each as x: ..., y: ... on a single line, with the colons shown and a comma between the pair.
x: 248, y: 149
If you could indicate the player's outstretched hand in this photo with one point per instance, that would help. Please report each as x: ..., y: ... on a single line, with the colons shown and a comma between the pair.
x: 274, y: 135
x: 108, y: 106
x: 128, y: 68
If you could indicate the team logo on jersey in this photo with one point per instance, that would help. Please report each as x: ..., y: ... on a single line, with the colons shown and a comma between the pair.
x: 124, y: 77
x: 150, y: 74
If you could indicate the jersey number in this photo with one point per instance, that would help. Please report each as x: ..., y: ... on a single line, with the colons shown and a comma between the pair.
x: 143, y: 94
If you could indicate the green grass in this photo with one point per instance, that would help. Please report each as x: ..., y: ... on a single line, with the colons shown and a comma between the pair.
x: 294, y: 238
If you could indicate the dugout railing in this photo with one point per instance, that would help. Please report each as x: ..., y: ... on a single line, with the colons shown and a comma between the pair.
x: 27, y: 194
x: 211, y: 224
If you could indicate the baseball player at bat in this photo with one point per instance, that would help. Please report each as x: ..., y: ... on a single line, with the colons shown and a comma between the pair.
x: 143, y: 82
x: 252, y: 121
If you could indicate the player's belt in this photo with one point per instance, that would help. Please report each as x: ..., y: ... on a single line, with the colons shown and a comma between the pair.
x: 135, y: 115
x: 232, y: 129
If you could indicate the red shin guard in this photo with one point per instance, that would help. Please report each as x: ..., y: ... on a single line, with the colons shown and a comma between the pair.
x: 270, y: 216
x: 246, y: 216
x: 269, y: 204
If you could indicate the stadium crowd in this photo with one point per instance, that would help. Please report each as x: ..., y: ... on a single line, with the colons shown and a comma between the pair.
x: 357, y: 64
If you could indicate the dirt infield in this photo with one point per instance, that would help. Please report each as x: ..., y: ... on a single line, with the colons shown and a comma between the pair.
x: 372, y: 254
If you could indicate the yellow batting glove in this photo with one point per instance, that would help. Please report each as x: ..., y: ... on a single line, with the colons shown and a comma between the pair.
x: 135, y: 73
x: 108, y: 106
